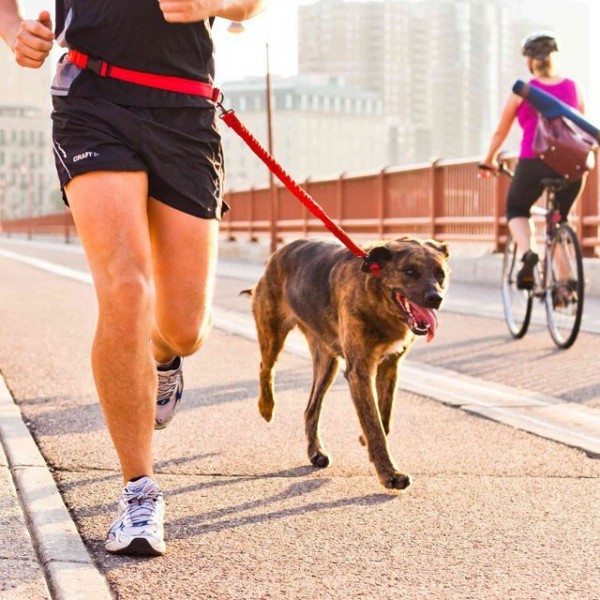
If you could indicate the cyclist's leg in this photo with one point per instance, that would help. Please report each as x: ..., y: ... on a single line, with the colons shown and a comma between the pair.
x: 562, y: 262
x: 525, y: 189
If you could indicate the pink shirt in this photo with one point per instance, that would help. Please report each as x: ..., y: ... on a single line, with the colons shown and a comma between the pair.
x: 528, y: 116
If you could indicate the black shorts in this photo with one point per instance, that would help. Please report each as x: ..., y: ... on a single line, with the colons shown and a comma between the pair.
x: 179, y: 148
x: 526, y: 188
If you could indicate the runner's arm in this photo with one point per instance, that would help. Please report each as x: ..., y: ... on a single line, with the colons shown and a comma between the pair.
x: 30, y: 41
x: 240, y: 10
x: 189, y: 11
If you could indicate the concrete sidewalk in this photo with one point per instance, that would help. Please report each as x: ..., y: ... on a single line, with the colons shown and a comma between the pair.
x: 491, y: 514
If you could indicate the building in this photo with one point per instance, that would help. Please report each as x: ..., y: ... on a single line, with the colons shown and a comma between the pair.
x: 28, y: 182
x: 443, y: 68
x: 19, y: 85
x: 320, y: 129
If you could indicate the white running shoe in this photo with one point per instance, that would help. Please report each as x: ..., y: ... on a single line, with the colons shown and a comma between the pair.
x: 138, y: 528
x: 170, y: 391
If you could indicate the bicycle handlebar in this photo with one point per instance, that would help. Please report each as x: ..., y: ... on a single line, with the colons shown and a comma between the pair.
x: 502, y: 168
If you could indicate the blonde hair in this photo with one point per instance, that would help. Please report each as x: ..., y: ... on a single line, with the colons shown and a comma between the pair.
x: 543, y: 66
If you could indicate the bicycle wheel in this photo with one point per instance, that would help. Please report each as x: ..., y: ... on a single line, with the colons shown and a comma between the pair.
x: 517, y: 303
x: 564, y: 287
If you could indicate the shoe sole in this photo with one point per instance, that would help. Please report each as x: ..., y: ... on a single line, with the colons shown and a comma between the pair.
x: 138, y: 547
x: 158, y: 426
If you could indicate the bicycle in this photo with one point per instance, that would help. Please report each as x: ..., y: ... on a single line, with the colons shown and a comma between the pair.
x: 558, y: 276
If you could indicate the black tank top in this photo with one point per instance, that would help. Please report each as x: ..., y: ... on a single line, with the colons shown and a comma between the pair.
x: 134, y: 34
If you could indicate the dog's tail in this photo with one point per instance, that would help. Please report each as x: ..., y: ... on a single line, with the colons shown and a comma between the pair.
x: 248, y: 292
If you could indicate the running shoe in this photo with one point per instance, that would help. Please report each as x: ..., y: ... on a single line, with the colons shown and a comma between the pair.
x: 170, y: 390
x: 138, y: 528
x: 525, y: 278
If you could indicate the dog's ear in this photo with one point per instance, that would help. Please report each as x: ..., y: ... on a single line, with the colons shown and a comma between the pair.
x: 378, y: 255
x: 440, y: 247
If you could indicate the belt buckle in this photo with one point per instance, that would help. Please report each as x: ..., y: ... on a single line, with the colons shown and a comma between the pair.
x: 97, y: 65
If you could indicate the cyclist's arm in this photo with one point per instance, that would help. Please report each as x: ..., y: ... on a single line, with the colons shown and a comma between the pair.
x: 509, y: 114
x: 580, y: 99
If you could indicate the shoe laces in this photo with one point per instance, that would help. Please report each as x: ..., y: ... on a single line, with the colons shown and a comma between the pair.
x: 167, y: 384
x: 141, y: 506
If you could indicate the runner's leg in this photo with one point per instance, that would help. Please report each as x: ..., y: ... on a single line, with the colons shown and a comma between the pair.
x: 110, y: 212
x: 184, y: 253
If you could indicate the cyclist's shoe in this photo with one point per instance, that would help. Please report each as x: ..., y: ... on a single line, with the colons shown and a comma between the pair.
x: 564, y: 294
x: 138, y: 528
x: 525, y: 278
x: 170, y: 390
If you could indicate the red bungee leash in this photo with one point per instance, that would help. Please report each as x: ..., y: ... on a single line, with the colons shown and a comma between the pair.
x: 206, y: 90
x: 231, y: 120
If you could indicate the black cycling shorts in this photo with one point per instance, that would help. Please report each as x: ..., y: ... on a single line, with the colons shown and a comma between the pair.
x: 179, y: 148
x: 526, y: 188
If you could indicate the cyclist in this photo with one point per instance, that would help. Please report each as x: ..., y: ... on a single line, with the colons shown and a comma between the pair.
x: 540, y: 50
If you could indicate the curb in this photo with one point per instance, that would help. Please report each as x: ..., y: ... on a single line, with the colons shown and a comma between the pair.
x: 69, y: 570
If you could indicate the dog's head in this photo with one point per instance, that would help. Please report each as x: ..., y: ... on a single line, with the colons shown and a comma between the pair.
x: 414, y: 277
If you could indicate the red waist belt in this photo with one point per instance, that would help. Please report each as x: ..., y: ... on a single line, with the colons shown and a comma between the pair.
x: 160, y: 82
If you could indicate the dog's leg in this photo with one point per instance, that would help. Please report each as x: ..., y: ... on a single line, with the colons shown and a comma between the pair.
x: 325, y: 368
x: 387, y: 378
x: 272, y: 328
x: 361, y: 378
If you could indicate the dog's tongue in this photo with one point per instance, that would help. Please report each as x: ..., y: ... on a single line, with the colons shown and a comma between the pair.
x: 427, y: 317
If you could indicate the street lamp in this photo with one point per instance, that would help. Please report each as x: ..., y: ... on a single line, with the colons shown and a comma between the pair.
x: 236, y: 27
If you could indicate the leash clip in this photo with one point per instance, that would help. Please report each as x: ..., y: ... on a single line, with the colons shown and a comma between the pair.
x: 370, y: 265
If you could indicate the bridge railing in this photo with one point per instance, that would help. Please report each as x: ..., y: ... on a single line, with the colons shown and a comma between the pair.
x: 444, y: 199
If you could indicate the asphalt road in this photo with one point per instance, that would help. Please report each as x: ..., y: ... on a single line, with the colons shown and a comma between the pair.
x: 494, y: 512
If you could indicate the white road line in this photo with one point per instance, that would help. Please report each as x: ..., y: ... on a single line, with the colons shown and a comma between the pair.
x: 44, y: 265
x: 546, y: 416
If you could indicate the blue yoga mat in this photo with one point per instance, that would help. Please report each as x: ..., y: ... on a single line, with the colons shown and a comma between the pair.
x: 552, y: 107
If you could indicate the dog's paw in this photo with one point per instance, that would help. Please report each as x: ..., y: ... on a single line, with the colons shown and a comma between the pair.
x: 320, y: 460
x: 398, y: 481
x: 266, y: 410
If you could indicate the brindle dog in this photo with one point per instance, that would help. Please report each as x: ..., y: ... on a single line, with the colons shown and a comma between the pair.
x: 370, y: 321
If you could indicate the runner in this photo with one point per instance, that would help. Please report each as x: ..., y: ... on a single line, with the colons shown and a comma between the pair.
x: 142, y: 170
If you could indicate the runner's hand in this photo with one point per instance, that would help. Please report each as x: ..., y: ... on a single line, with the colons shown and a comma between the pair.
x: 33, y: 41
x: 188, y: 11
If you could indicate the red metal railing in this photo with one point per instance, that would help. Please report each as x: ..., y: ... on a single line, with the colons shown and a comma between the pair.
x: 445, y: 200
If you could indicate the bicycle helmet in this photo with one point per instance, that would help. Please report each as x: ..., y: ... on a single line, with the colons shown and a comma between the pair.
x: 539, y: 45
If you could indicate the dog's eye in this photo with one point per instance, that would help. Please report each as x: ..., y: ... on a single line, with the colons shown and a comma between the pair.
x: 440, y: 275
x: 412, y: 272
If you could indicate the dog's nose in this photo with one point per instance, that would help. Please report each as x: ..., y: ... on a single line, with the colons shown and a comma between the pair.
x: 433, y: 299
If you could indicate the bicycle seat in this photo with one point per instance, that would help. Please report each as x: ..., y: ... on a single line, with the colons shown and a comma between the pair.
x: 555, y: 183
